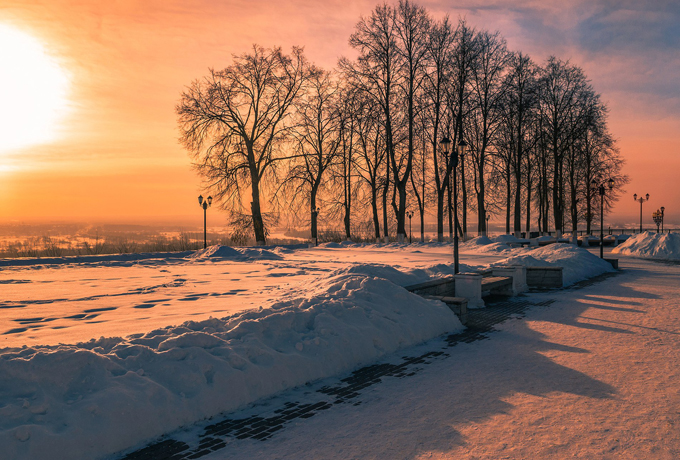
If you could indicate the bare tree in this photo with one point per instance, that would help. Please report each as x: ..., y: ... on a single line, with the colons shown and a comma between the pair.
x: 437, y: 79
x: 234, y: 122
x: 487, y: 83
x: 412, y: 25
x: 316, y: 135
x: 560, y: 84
x: 518, y: 114
x: 371, y: 150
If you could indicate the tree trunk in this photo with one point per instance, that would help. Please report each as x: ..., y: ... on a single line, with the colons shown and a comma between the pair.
x: 374, y: 208
x: 508, y: 195
x: 258, y: 223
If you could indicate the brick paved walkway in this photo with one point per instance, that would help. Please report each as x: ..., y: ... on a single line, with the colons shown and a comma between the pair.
x: 215, y: 435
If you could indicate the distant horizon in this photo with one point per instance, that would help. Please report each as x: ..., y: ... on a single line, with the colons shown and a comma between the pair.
x: 631, y: 222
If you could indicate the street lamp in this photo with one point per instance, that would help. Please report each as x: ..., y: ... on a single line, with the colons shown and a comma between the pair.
x: 641, y: 200
x: 601, y: 190
x: 446, y: 143
x: 315, y: 216
x: 205, y: 204
x: 409, y: 214
x: 662, y: 211
x: 656, y: 216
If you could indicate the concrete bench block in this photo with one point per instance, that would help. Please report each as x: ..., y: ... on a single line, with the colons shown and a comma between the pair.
x: 544, y: 277
x: 518, y: 274
x: 441, y: 287
x: 614, y: 262
x: 469, y: 285
x: 501, y: 285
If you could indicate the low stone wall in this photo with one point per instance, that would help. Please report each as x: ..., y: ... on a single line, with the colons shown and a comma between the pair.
x: 544, y: 277
x: 439, y: 287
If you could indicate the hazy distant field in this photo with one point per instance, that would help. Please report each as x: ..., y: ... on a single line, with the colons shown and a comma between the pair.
x: 56, y: 240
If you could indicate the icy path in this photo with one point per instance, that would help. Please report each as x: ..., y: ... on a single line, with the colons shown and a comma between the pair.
x: 594, y: 375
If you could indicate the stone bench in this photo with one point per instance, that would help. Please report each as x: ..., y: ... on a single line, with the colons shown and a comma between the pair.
x: 544, y: 277
x: 439, y: 287
x: 509, y: 280
x: 458, y: 305
x: 501, y: 285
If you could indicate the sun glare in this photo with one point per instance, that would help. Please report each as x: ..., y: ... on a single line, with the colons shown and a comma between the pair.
x: 33, y: 91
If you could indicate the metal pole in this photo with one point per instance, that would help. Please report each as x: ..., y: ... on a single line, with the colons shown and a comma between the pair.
x: 456, y: 265
x: 640, y: 214
x: 205, y: 232
x: 601, y: 222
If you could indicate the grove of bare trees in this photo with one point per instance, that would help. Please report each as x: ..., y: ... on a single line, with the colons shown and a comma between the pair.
x: 272, y: 134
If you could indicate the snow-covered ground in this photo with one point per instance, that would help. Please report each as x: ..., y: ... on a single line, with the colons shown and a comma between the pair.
x: 103, y: 353
x: 651, y: 245
x: 595, y: 375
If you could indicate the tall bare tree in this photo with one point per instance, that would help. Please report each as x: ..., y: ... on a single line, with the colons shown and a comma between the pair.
x: 316, y: 137
x: 488, y: 75
x: 560, y: 84
x: 235, y: 121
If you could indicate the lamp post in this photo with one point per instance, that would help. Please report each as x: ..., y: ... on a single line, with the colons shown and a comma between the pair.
x: 662, y: 211
x: 205, y: 204
x: 601, y: 190
x: 445, y: 143
x: 409, y: 214
x: 640, y: 200
x: 315, y: 216
x: 656, y: 216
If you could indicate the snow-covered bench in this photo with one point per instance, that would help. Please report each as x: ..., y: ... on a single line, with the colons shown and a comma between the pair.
x: 471, y: 287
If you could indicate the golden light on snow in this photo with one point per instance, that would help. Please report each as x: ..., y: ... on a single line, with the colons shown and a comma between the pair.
x: 33, y: 91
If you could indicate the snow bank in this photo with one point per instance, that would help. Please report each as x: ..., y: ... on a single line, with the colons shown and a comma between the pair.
x: 92, y: 399
x: 479, y: 240
x: 484, y: 244
x: 506, y: 239
x: 225, y: 252
x: 577, y: 264
x: 406, y: 277
x: 651, y: 245
x: 215, y: 252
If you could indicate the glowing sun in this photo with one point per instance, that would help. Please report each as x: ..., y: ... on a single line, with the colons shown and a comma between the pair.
x: 33, y: 91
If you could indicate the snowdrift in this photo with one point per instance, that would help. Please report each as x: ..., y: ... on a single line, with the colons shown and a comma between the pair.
x: 92, y: 399
x: 665, y: 246
x: 241, y: 254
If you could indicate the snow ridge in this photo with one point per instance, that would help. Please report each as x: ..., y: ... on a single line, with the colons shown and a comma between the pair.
x: 665, y: 246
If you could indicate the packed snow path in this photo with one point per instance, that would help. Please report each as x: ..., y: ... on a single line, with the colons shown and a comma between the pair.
x: 593, y: 372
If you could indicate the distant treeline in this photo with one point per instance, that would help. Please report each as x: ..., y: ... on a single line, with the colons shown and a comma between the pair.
x: 360, y: 145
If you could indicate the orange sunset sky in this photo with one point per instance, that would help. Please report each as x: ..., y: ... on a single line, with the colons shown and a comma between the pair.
x: 89, y: 88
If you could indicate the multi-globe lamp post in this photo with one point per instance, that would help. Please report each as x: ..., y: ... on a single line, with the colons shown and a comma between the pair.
x: 205, y: 204
x: 658, y: 218
x: 462, y: 145
x: 640, y: 200
x: 601, y: 190
x: 662, y: 214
